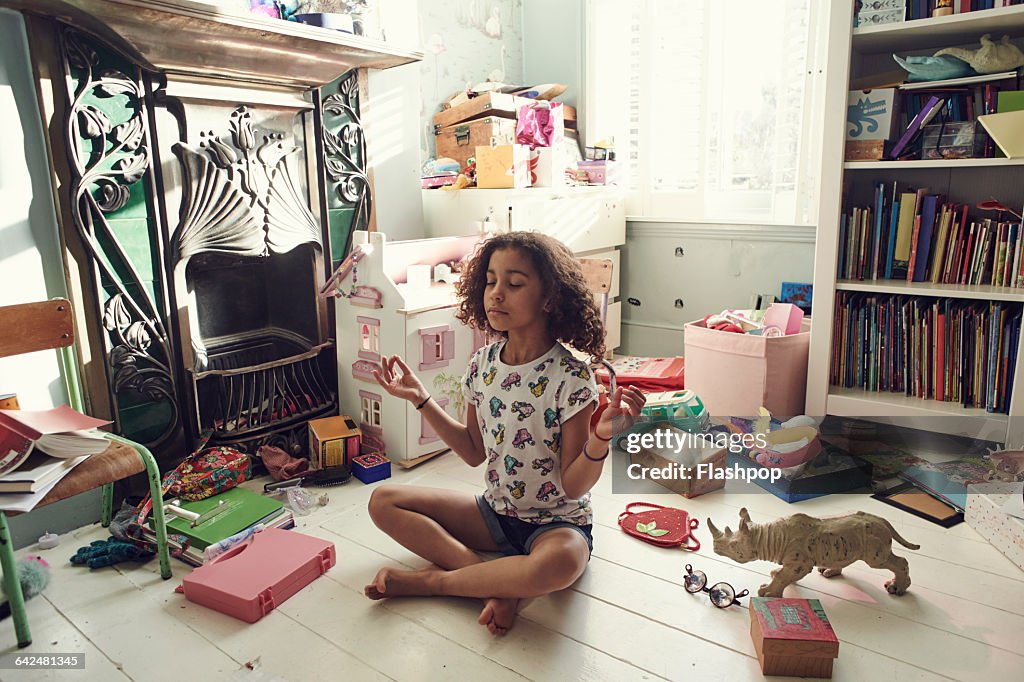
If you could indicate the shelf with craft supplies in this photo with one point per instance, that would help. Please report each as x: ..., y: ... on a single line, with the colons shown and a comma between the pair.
x: 950, y: 30
x: 901, y: 287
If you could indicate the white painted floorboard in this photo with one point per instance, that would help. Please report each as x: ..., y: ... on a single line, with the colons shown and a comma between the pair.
x: 627, y: 618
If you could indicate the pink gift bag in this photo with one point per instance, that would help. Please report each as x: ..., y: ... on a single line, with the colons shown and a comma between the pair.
x: 540, y: 124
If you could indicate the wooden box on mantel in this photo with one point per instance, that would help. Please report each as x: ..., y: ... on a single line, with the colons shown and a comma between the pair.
x: 792, y: 637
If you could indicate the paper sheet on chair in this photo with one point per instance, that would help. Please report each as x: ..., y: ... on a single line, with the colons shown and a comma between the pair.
x: 25, y: 502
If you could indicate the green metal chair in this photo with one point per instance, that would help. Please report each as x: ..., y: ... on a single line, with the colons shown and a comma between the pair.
x: 38, y: 326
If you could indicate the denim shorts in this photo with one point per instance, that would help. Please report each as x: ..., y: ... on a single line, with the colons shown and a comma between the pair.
x: 513, y: 536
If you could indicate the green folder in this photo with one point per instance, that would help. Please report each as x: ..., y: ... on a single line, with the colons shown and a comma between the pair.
x: 245, y: 508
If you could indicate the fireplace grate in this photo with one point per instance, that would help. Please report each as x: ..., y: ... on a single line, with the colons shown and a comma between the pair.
x: 242, y: 397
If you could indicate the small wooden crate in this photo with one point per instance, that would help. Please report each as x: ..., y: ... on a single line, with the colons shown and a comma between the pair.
x: 792, y: 637
x: 694, y: 480
x: 460, y: 141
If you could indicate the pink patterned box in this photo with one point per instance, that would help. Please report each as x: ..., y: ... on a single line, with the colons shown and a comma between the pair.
x: 984, y: 514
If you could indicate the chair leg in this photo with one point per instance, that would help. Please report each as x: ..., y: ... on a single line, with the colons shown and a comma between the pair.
x: 12, y: 585
x: 108, y: 504
x: 159, y: 523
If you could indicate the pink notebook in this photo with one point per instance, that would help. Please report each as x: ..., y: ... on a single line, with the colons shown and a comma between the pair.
x: 251, y: 580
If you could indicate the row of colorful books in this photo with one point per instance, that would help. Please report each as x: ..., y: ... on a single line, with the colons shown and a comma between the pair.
x: 919, y: 237
x: 951, y: 350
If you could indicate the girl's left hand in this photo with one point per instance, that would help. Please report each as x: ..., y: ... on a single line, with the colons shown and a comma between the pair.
x: 623, y: 409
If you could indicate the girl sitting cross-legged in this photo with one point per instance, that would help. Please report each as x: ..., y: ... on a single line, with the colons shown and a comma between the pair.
x: 530, y: 404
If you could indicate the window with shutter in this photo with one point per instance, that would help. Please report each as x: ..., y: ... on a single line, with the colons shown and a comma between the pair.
x: 369, y: 338
x: 438, y: 346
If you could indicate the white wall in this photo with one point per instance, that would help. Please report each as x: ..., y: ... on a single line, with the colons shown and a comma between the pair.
x: 30, y: 260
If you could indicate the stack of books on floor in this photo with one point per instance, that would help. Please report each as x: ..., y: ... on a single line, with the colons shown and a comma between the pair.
x: 243, y: 510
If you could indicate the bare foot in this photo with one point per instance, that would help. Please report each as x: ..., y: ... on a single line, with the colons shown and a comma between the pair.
x: 393, y: 582
x: 498, y: 615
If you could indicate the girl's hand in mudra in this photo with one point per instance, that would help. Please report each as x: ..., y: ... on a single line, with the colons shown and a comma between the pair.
x: 396, y: 378
x: 623, y: 409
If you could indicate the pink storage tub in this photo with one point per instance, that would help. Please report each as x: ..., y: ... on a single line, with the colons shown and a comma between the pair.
x: 734, y: 374
x: 249, y: 581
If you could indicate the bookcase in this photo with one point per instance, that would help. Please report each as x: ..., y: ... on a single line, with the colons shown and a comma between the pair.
x: 850, y: 54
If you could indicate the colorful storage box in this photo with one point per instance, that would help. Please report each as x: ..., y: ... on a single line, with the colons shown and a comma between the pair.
x: 600, y: 172
x: 250, y: 580
x: 735, y: 374
x: 985, y: 515
x: 792, y: 637
x: 371, y: 468
x: 333, y: 441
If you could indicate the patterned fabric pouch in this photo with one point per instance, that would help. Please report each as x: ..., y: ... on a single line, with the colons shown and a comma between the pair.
x: 661, y: 526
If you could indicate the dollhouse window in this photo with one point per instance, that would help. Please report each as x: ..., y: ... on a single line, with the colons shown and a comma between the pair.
x: 438, y: 344
x: 369, y: 410
x: 427, y: 433
x: 369, y: 338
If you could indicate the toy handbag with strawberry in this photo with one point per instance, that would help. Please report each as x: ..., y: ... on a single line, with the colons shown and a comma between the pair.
x: 661, y: 526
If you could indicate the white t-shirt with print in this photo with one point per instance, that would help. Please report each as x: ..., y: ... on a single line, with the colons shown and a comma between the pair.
x: 520, y: 410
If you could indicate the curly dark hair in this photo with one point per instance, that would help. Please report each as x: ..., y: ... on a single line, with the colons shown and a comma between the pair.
x: 574, y: 318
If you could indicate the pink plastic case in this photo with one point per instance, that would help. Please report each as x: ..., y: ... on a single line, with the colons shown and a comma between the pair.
x: 251, y: 580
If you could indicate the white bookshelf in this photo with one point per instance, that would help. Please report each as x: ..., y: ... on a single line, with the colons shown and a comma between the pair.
x: 850, y: 55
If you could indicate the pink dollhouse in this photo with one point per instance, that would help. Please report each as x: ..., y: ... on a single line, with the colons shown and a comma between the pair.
x: 389, y: 304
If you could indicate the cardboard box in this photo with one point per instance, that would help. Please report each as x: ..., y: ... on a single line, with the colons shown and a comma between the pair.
x: 491, y: 104
x: 503, y: 166
x: 792, y: 637
x: 460, y: 141
x: 735, y: 374
x: 693, y: 480
x: 985, y: 515
x: 333, y: 441
x: 371, y: 468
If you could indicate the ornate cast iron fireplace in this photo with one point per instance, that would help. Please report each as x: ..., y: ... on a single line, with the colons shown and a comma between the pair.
x: 208, y: 168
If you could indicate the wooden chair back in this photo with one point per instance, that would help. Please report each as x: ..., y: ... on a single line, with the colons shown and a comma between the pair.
x: 29, y: 327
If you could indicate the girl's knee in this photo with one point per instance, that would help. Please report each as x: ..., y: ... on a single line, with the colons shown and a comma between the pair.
x: 383, y: 500
x: 559, y: 569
